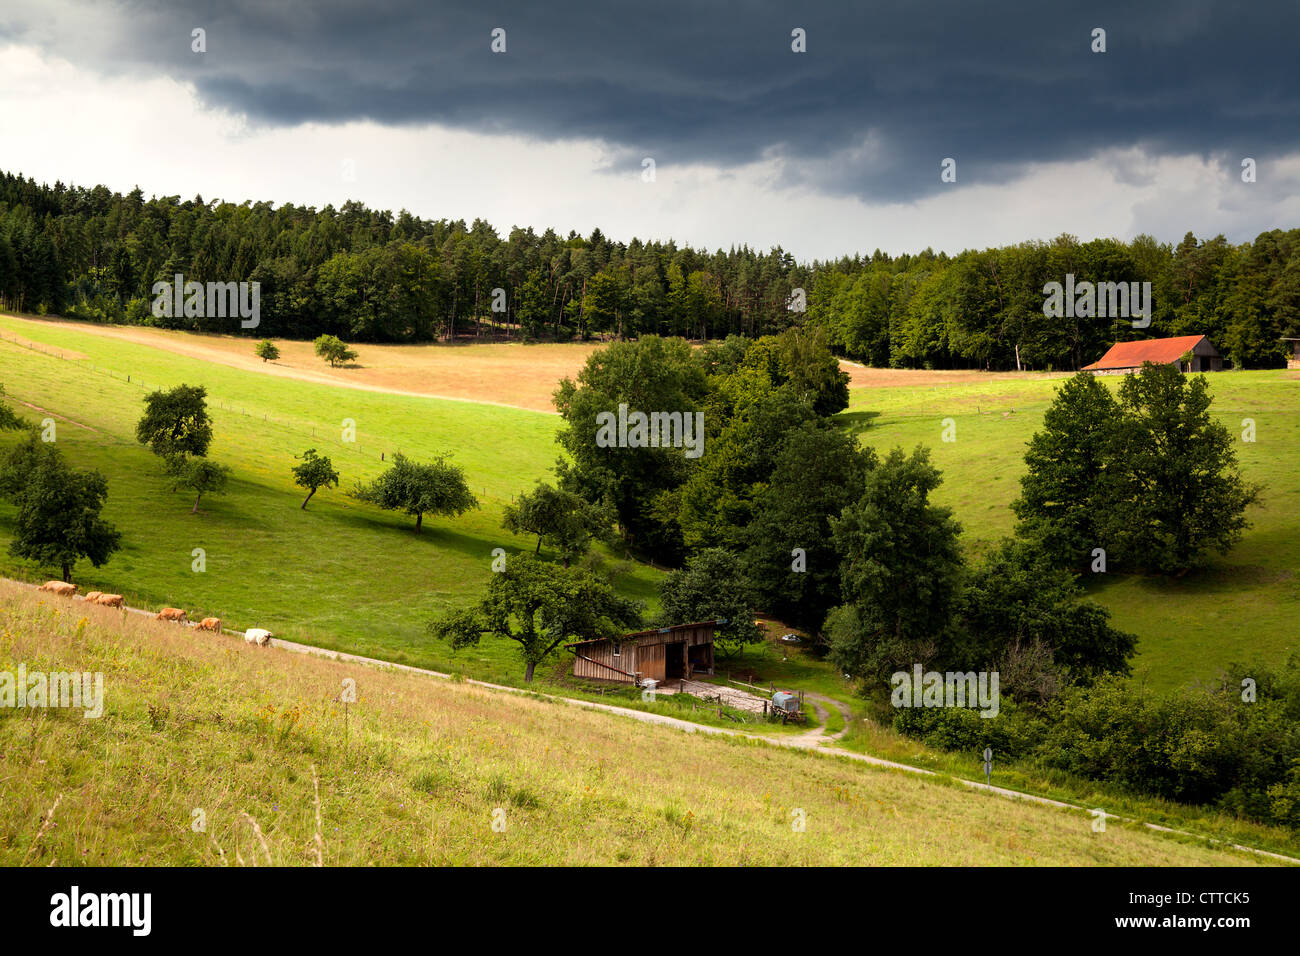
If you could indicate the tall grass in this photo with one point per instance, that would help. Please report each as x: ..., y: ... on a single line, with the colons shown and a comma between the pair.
x: 245, y: 760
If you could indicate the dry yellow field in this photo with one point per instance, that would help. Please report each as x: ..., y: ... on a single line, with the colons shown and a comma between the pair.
x: 515, y: 375
x: 519, y: 376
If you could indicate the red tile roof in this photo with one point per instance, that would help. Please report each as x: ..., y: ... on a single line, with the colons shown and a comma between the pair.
x: 1133, y: 354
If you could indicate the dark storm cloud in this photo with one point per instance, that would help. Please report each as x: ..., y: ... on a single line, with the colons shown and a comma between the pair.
x: 884, y: 93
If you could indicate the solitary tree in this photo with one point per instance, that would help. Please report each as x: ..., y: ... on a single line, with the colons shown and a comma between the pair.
x: 333, y: 350
x: 20, y: 462
x: 1172, y: 490
x: 561, y: 519
x: 175, y: 425
x: 316, y: 471
x: 203, y: 477
x: 58, y: 520
x: 267, y: 351
x: 437, y: 488
x: 540, y: 607
x: 1059, y: 497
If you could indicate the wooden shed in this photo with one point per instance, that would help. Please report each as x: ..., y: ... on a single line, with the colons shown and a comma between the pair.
x: 661, y: 654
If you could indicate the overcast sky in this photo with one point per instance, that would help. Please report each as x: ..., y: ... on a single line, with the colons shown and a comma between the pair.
x: 831, y: 151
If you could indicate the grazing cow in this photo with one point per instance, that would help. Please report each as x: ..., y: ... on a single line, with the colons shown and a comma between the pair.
x: 94, y: 596
x: 258, y: 635
x: 171, y: 614
x: 61, y: 588
x: 210, y: 624
x: 110, y: 600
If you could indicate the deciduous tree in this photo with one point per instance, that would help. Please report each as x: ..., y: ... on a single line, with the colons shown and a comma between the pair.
x: 1059, y: 501
x: 900, y: 570
x: 1173, y: 492
x: 540, y: 607
x: 437, y: 487
x: 315, y: 471
x: 333, y: 350
x: 175, y: 425
x: 787, y: 551
x: 58, y: 521
x: 560, y: 519
x: 203, y: 477
x: 9, y: 420
x: 712, y: 587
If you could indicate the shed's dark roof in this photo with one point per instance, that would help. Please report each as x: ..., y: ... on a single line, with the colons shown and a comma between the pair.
x: 652, y: 632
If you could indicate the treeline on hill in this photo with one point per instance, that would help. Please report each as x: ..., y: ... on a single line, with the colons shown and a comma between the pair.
x: 367, y: 275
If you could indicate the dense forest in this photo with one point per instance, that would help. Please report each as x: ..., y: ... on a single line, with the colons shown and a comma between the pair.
x: 370, y: 276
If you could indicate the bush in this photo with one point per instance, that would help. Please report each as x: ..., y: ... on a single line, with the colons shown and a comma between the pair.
x: 1192, y: 746
x: 1205, y: 746
x: 1016, y: 731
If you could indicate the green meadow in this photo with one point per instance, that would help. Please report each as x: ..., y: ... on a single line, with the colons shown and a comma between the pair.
x: 1242, y: 606
x: 348, y: 576
x: 340, y: 574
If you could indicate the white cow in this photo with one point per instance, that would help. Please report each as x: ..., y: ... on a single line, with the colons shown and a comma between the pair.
x: 257, y: 635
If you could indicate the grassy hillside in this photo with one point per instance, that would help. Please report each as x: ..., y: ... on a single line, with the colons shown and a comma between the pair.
x: 256, y: 740
x: 345, y: 575
x: 1243, y: 606
x: 340, y: 574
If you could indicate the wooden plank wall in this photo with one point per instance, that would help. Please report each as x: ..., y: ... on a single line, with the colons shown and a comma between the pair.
x: 603, y: 653
x: 645, y: 654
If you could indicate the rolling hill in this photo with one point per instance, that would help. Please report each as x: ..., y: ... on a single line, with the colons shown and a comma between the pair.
x: 211, y: 751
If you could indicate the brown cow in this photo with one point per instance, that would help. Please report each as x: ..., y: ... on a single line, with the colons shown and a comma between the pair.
x: 94, y: 596
x: 110, y: 600
x: 210, y: 624
x: 61, y: 588
x: 171, y: 614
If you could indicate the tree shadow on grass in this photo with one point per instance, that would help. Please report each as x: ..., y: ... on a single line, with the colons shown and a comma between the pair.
x: 431, y: 534
x: 856, y: 422
x: 1220, y: 577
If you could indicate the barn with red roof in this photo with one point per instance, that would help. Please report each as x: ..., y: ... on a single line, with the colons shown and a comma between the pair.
x: 1187, y: 353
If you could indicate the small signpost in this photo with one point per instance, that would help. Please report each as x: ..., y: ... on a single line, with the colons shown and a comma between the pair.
x: 988, y: 765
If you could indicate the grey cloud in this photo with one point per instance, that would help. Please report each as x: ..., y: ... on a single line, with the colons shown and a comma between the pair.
x: 995, y: 85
